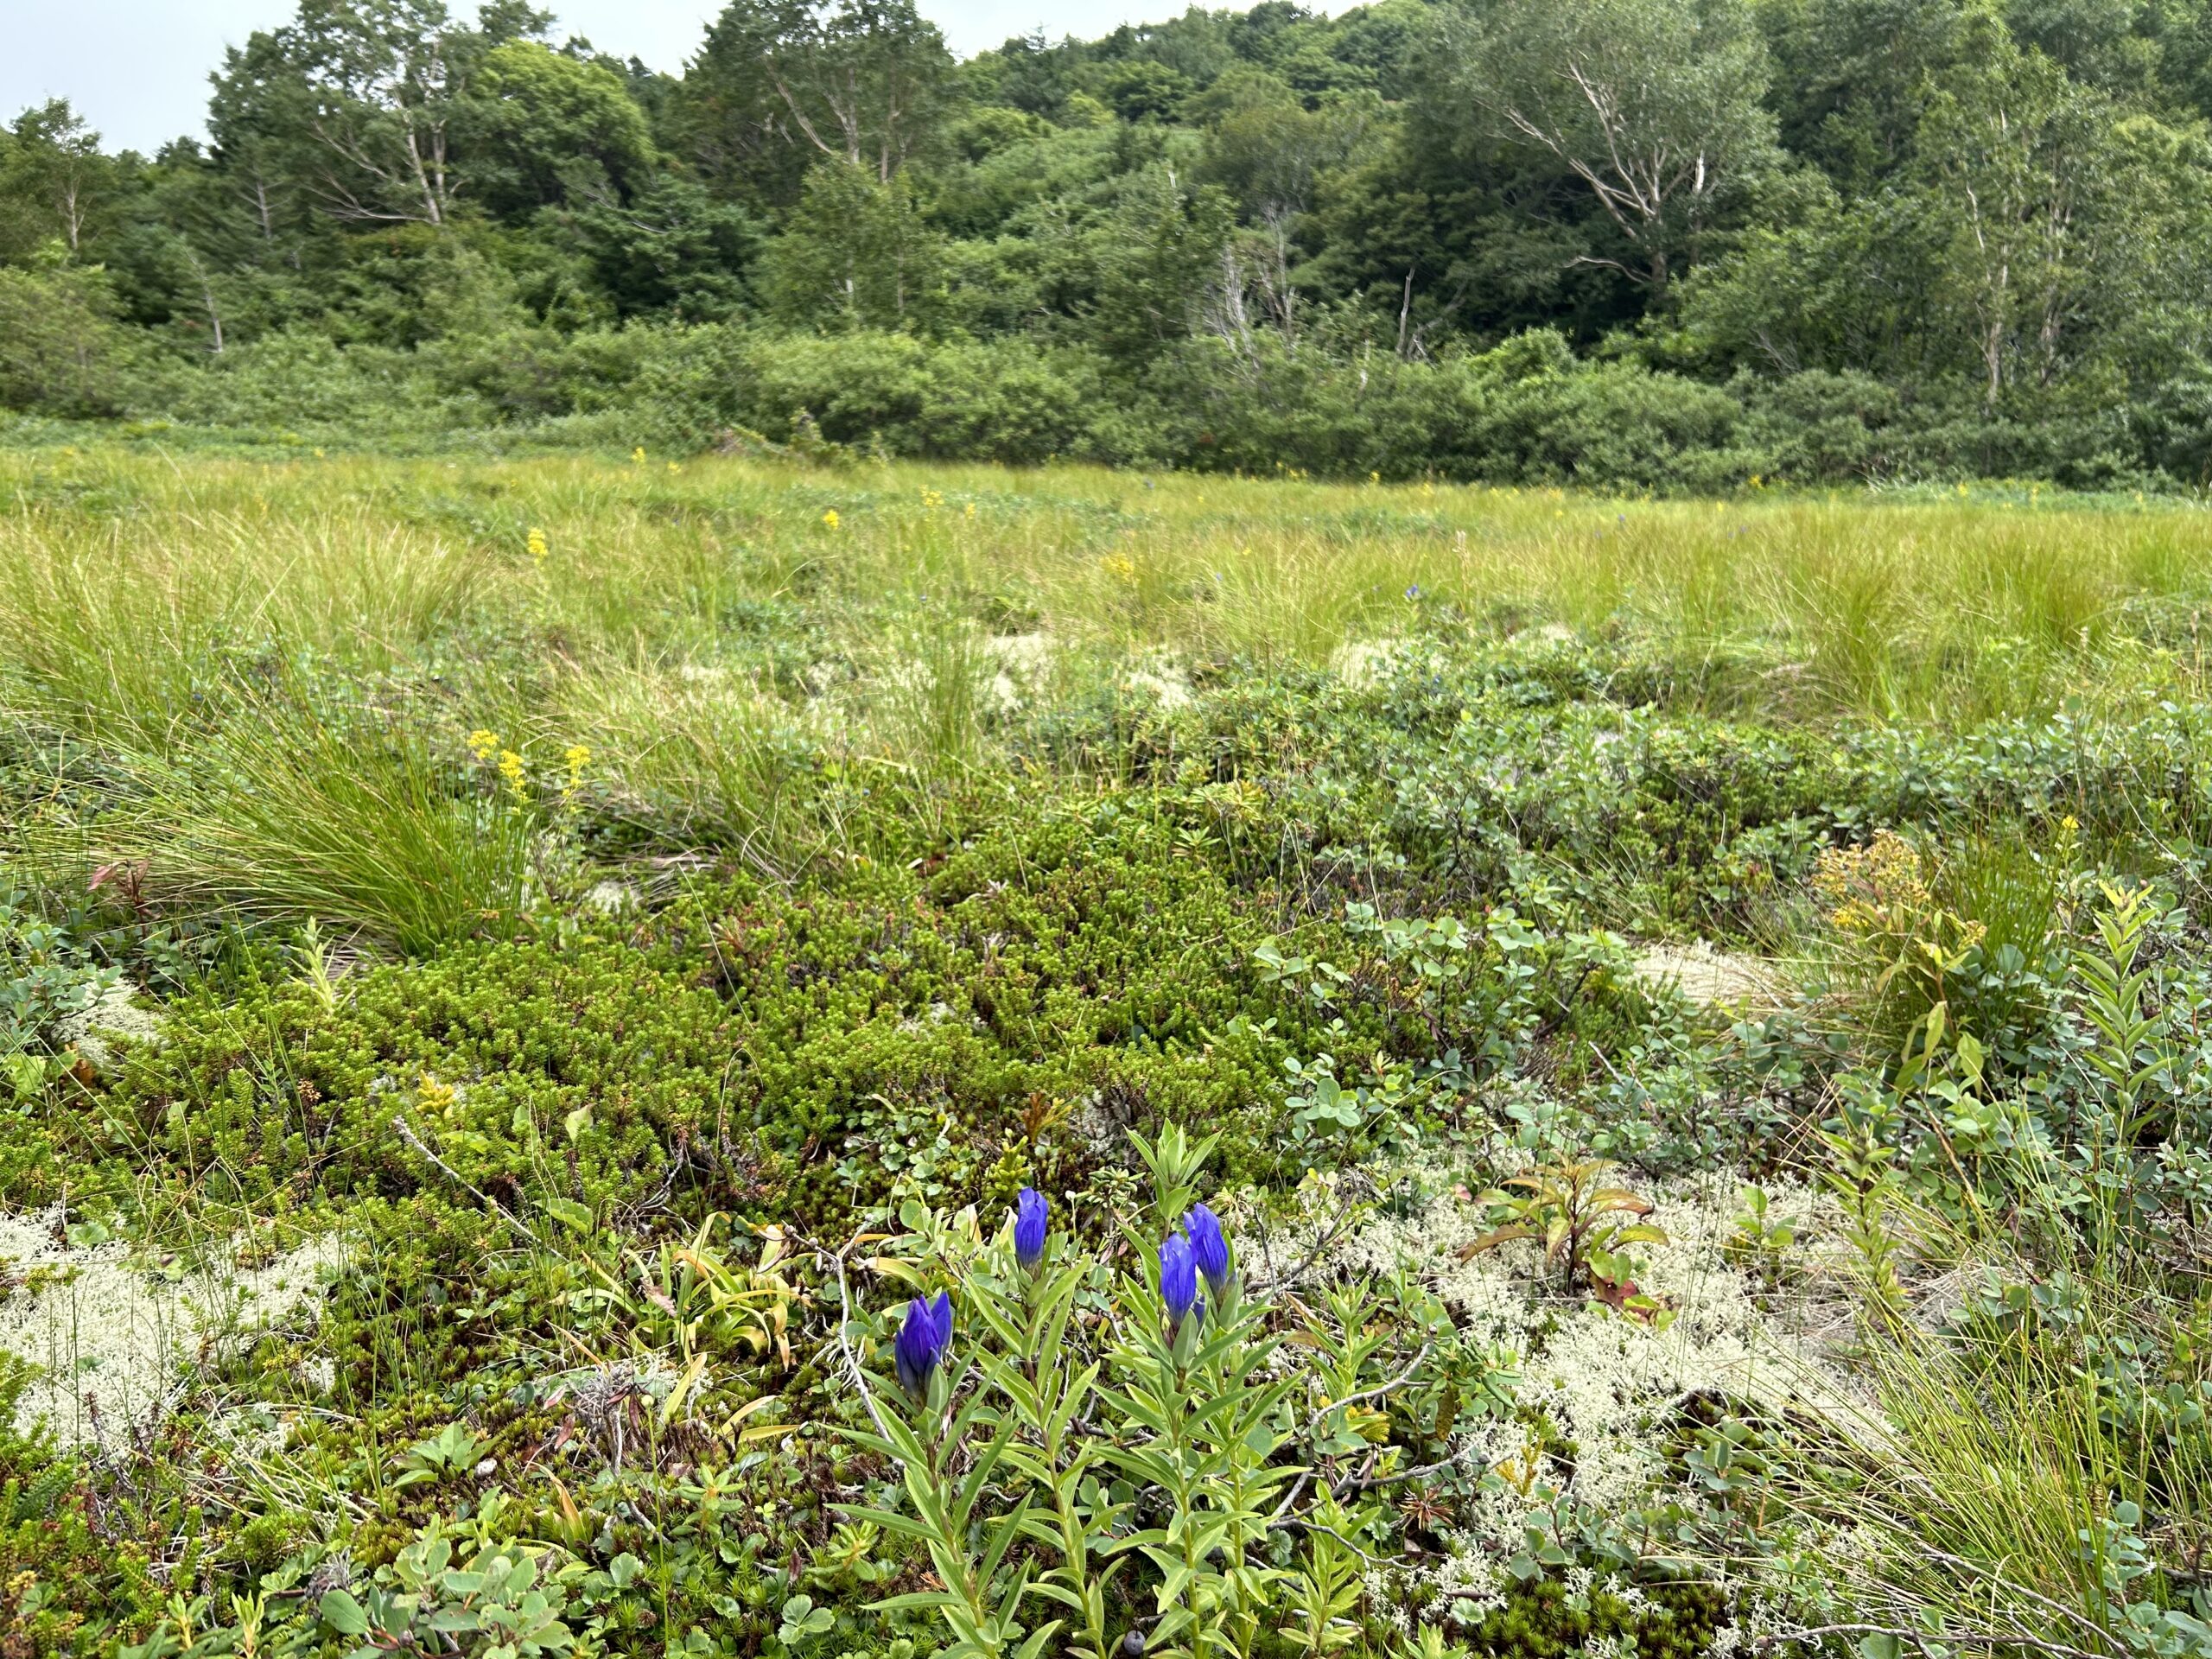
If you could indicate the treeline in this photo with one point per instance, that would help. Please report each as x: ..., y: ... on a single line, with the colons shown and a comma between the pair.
x: 1670, y: 244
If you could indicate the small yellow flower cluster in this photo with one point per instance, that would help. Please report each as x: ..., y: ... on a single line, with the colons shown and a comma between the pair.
x: 932, y: 499
x: 829, y: 519
x: 484, y: 744
x: 577, y: 757
x: 436, y: 1097
x: 1863, y: 886
x: 971, y: 510
x: 538, y: 546
x: 1120, y: 566
x: 638, y: 456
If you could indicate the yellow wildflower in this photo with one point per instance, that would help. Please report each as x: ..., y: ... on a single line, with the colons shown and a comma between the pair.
x: 510, y: 768
x: 971, y: 510
x: 577, y: 756
x: 673, y: 467
x: 637, y: 456
x: 829, y: 519
x: 538, y: 546
x: 1120, y: 566
x: 437, y: 1099
x: 483, y: 742
x: 1863, y: 884
x: 932, y: 499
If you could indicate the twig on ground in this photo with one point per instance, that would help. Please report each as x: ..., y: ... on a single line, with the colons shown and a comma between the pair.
x: 454, y: 1175
x: 836, y: 1260
x: 1305, y: 1476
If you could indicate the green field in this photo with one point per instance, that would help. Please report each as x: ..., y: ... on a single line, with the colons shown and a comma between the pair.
x: 1692, y: 1014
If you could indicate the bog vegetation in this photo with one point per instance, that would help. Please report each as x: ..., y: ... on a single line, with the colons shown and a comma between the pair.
x: 1631, y: 244
x: 850, y: 1058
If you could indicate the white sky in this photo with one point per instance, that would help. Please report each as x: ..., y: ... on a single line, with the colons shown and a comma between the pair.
x: 137, y: 69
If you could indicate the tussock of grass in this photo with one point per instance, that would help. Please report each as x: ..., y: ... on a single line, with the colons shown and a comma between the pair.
x: 1968, y: 1504
x: 285, y: 814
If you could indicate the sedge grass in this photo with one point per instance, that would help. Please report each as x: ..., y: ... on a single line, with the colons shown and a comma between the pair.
x: 1939, y: 609
x: 286, y: 815
x: 154, y: 616
x: 1976, y: 1498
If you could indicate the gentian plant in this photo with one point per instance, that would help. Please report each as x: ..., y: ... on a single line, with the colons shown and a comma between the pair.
x: 1098, y: 1423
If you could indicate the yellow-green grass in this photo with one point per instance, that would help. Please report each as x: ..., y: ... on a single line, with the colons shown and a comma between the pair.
x: 119, y: 573
x: 265, y: 657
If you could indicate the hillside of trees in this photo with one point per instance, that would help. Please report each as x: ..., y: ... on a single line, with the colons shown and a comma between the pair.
x: 1640, y: 243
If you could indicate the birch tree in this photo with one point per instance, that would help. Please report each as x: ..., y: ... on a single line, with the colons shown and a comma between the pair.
x: 1654, y: 106
x: 367, y: 95
x: 781, y: 83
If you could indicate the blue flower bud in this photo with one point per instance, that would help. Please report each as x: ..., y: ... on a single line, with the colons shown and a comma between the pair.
x: 1032, y: 1216
x: 1179, y: 1278
x: 1209, y: 1250
x: 922, y: 1341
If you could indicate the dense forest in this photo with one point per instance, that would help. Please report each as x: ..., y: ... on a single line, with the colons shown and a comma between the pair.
x: 1641, y: 243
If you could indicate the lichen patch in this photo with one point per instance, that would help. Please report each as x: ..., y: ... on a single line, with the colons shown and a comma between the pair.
x: 110, y: 1342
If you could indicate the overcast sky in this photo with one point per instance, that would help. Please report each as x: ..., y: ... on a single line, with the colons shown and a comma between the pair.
x: 137, y: 69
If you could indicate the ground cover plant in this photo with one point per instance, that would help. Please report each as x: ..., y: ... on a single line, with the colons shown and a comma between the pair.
x: 824, y: 1056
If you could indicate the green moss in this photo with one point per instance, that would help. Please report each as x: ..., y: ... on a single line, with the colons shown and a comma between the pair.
x: 67, y: 1582
x: 1542, y: 1620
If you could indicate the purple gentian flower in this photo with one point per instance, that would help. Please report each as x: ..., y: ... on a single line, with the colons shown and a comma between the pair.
x: 1032, y: 1216
x: 1209, y: 1250
x: 922, y: 1341
x: 1179, y: 1279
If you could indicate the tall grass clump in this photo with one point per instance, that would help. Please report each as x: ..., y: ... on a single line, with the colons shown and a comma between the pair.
x: 931, y: 696
x: 701, y: 758
x: 1992, y: 1496
x: 122, y: 632
x: 287, y: 813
